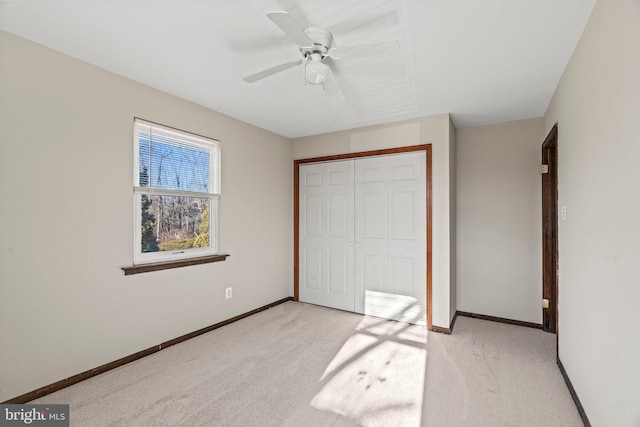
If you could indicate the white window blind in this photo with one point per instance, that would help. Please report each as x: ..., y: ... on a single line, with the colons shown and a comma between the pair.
x: 176, y: 161
x: 176, y: 181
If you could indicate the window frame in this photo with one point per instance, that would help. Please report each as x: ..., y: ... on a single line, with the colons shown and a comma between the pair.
x: 141, y: 258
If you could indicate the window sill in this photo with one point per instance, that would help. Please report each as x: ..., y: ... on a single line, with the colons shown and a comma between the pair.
x: 156, y: 266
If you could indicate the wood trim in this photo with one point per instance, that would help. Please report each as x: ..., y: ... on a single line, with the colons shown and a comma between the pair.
x: 347, y: 156
x: 448, y: 330
x: 500, y: 320
x: 440, y: 330
x: 453, y: 322
x: 296, y: 228
x: 156, y: 266
x: 550, y: 231
x: 59, y: 385
x: 429, y: 240
x: 574, y: 395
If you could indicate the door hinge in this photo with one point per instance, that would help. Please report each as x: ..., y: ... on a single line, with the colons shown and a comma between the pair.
x: 545, y: 303
x: 544, y: 168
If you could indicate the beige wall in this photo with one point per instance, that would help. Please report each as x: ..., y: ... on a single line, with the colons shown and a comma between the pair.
x: 499, y: 220
x: 433, y: 130
x: 66, y: 220
x: 597, y: 108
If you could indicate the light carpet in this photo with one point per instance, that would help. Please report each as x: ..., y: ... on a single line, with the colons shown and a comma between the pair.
x: 302, y: 365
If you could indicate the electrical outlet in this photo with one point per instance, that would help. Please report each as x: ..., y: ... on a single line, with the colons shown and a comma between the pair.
x: 228, y: 293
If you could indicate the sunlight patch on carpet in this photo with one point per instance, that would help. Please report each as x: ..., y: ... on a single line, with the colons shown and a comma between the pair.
x: 377, y: 377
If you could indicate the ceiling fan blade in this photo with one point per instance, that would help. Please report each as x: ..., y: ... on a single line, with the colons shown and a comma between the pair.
x: 271, y: 71
x: 331, y: 87
x: 365, y: 50
x: 290, y: 28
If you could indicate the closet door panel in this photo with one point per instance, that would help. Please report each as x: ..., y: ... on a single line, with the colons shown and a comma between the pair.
x: 313, y: 208
x: 391, y: 229
x: 407, y: 237
x: 313, y: 268
x: 403, y: 215
x: 326, y: 234
x: 371, y: 231
x: 338, y: 268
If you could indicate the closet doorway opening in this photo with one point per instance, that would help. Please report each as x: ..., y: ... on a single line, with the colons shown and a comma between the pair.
x: 363, y: 232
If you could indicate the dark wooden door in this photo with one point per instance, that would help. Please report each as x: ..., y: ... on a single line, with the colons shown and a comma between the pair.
x: 550, y: 231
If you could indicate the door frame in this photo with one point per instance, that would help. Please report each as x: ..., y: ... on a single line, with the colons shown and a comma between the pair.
x: 550, y: 231
x: 348, y: 156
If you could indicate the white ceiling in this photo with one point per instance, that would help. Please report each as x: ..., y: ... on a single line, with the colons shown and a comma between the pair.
x: 483, y: 61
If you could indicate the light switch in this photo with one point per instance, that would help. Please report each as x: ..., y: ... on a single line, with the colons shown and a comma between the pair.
x: 563, y: 212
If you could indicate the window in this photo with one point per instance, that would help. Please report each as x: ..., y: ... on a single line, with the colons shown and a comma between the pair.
x: 176, y: 185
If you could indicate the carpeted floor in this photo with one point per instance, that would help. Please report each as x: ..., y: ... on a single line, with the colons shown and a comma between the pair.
x: 302, y: 365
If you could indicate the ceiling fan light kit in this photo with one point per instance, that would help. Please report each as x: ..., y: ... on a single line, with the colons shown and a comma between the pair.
x: 316, y: 72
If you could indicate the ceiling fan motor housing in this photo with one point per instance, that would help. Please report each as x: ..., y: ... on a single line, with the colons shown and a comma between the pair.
x: 321, y: 39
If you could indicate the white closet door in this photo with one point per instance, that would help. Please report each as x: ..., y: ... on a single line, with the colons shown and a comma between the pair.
x: 390, y: 236
x: 326, y: 257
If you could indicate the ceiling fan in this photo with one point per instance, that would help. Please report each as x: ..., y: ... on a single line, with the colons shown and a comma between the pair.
x: 315, y: 45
